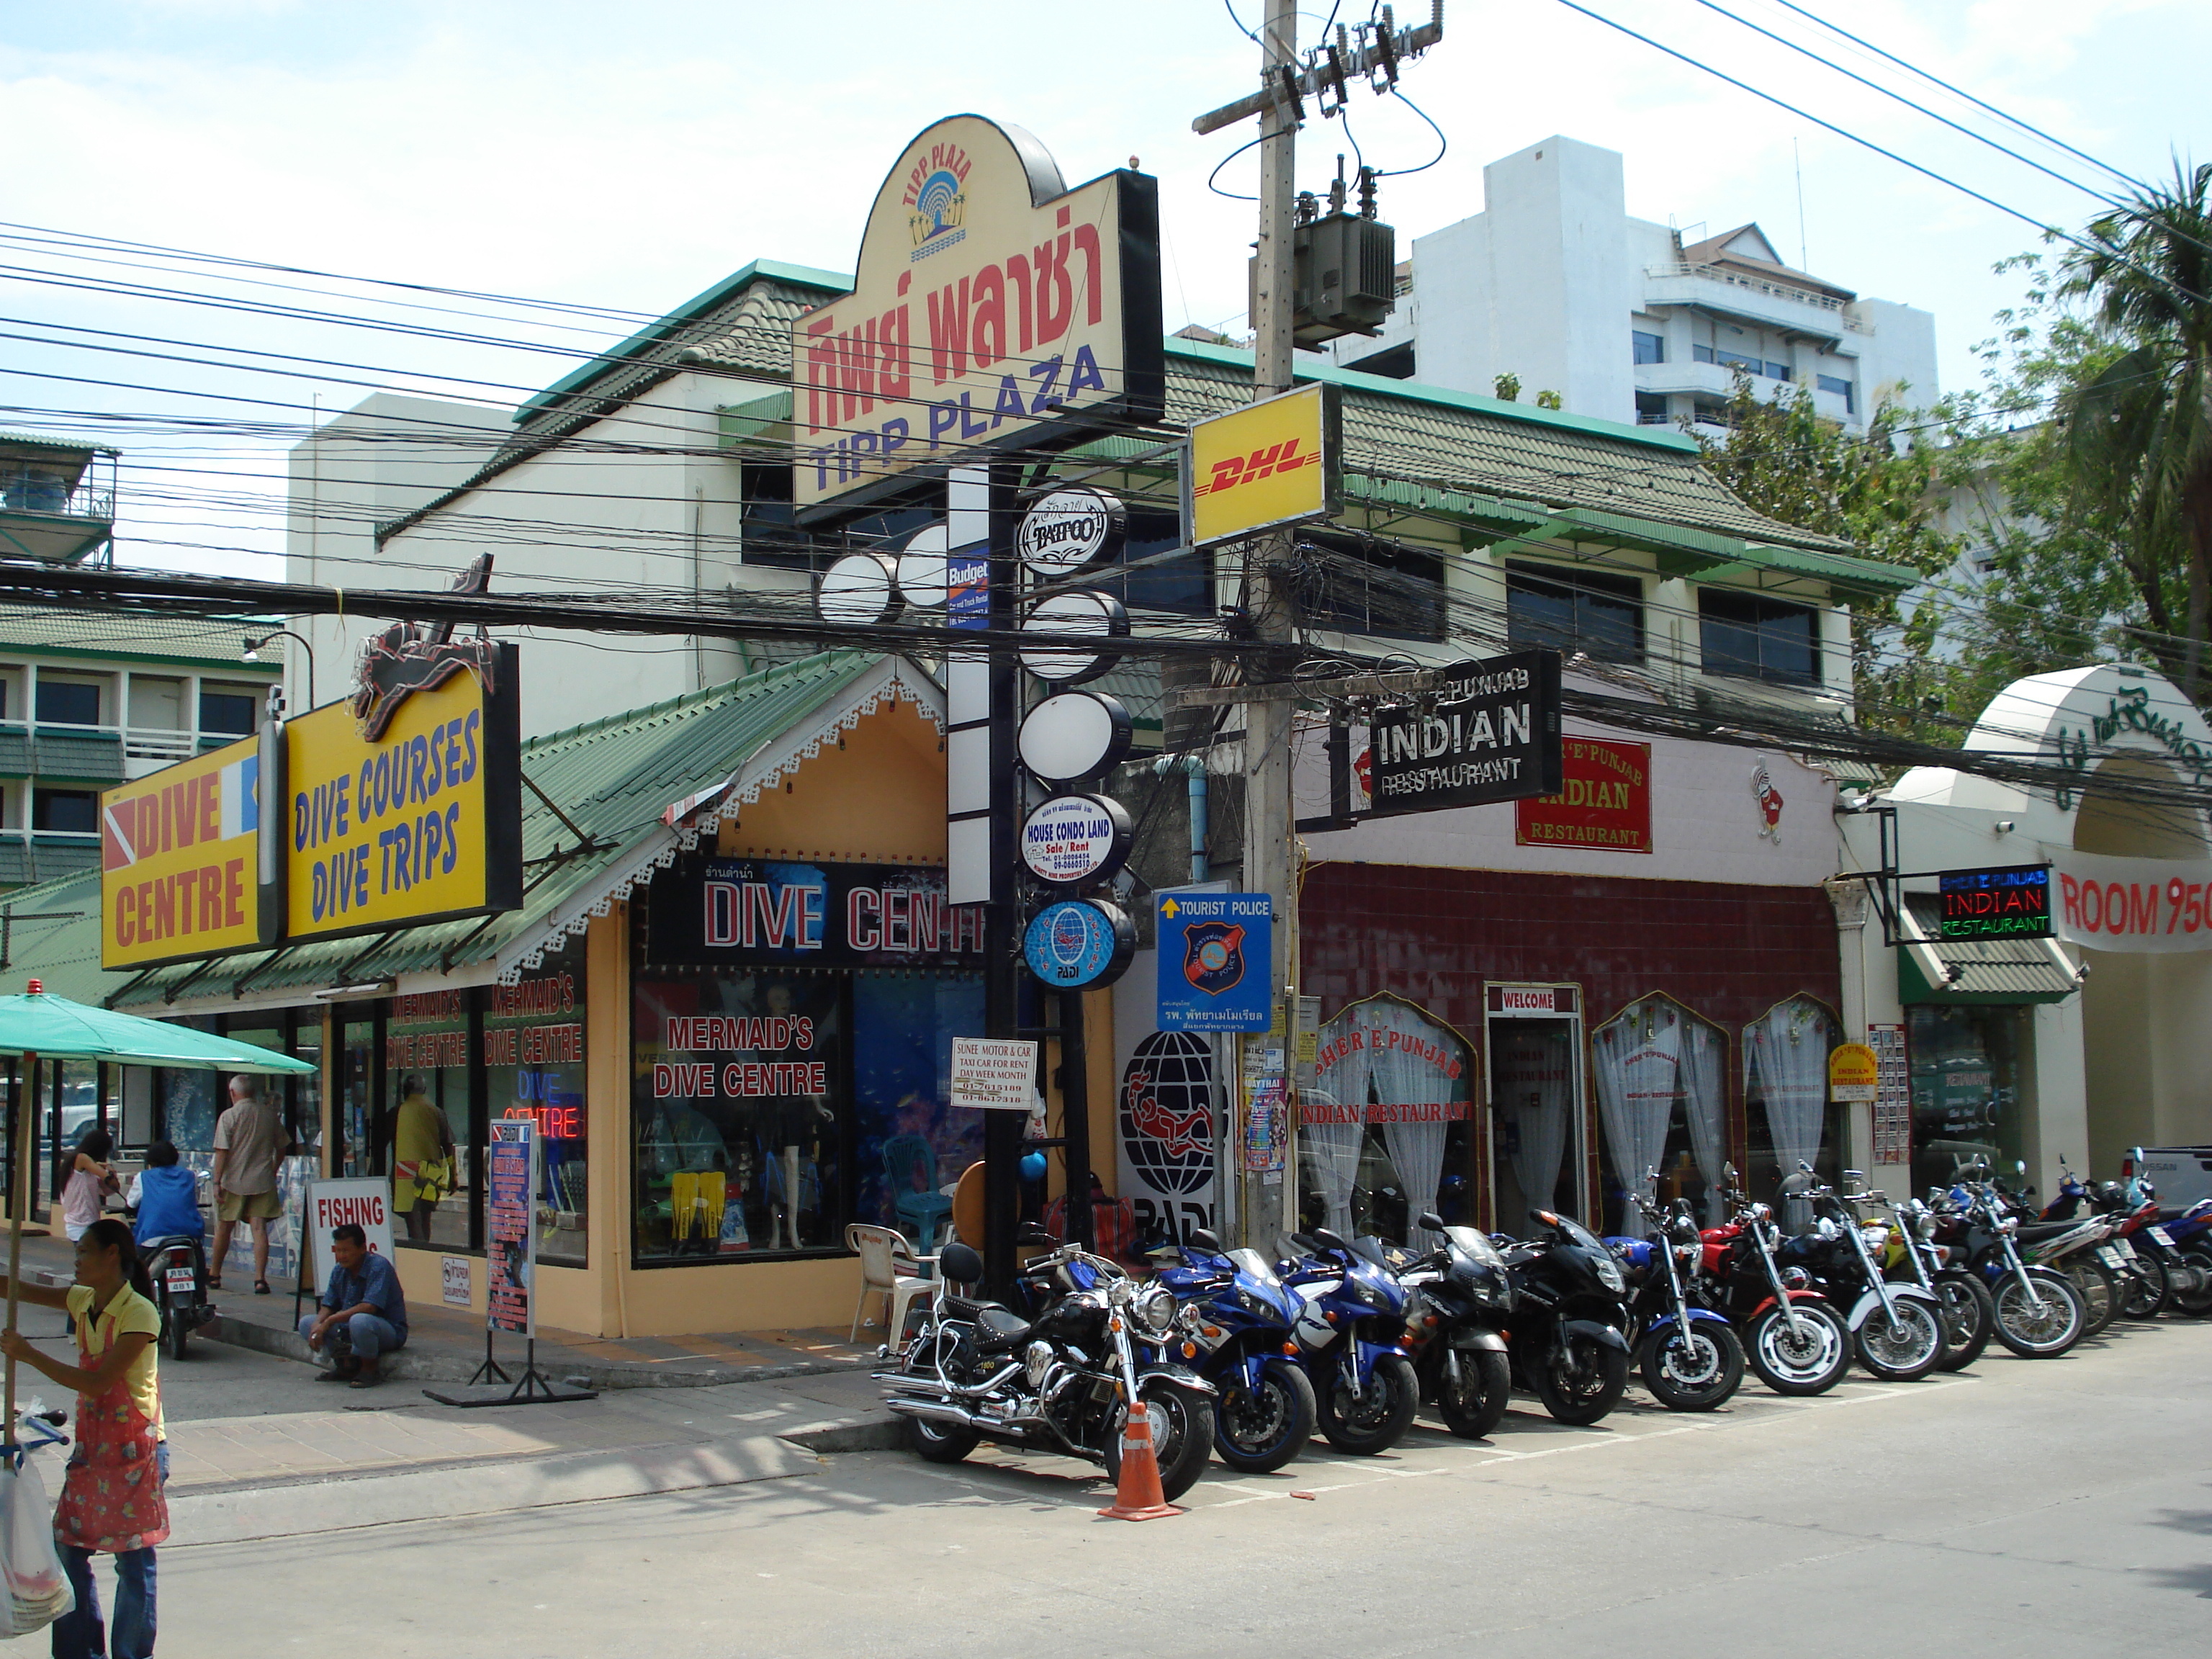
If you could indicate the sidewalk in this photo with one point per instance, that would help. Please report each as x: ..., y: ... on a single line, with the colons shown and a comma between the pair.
x: 446, y: 1345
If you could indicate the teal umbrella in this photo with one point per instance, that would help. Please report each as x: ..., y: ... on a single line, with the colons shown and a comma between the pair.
x: 39, y: 1022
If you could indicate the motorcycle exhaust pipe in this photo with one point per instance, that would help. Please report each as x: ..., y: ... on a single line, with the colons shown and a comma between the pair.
x: 965, y: 1390
x: 935, y: 1411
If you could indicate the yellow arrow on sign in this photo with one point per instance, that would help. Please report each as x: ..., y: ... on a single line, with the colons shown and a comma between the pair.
x: 1170, y: 910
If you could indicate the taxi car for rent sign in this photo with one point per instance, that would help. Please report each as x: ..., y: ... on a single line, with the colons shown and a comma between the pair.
x: 1264, y: 465
x: 179, y: 861
x: 419, y: 823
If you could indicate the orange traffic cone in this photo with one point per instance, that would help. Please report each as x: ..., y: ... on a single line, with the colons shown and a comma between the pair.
x: 1137, y: 1494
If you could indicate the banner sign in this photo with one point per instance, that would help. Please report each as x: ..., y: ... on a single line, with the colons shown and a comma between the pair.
x: 991, y: 309
x: 1275, y: 462
x: 510, y: 1225
x: 1215, y: 969
x: 2132, y: 904
x: 1603, y: 803
x: 179, y: 874
x: 708, y: 912
x: 995, y: 1073
x: 1491, y: 733
x: 420, y: 822
x: 2013, y: 902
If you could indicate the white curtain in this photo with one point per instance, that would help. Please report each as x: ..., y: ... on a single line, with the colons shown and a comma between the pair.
x: 1415, y: 1071
x: 1534, y: 1071
x: 1786, y: 1061
x: 1330, y: 1151
x: 1704, y: 1103
x: 1636, y: 1055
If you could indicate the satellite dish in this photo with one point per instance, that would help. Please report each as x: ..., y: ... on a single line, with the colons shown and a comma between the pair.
x: 922, y: 567
x: 857, y: 590
x: 1074, y: 734
x: 1098, y: 615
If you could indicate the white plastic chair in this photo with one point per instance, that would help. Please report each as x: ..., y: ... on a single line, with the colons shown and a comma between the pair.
x: 889, y: 1268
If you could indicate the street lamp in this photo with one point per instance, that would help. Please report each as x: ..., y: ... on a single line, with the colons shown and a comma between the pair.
x: 253, y: 654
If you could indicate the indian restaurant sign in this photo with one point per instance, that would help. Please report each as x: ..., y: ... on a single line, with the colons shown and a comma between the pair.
x: 2013, y: 902
x: 1603, y: 803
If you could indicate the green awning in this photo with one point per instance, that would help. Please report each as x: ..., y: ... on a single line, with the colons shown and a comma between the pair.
x: 1976, y: 972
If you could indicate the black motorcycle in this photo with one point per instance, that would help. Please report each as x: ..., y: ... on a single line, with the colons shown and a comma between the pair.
x: 1569, y: 1312
x: 1898, y: 1329
x: 1690, y: 1357
x: 1461, y: 1297
x: 1059, y: 1379
x: 178, y: 1268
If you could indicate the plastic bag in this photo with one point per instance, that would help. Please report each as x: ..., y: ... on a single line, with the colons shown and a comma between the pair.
x: 38, y: 1590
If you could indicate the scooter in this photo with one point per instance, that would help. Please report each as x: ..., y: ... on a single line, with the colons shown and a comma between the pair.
x: 178, y: 1268
x: 1264, y: 1411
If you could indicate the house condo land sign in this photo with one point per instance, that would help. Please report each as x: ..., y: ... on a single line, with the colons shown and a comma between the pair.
x: 993, y: 307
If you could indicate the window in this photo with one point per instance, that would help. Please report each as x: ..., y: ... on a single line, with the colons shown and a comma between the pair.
x: 1766, y: 367
x: 68, y: 703
x: 1647, y: 347
x: 431, y: 1134
x: 1841, y: 387
x: 769, y: 533
x: 227, y: 711
x: 533, y: 1041
x: 1760, y: 638
x: 1650, y: 408
x: 1778, y: 371
x: 65, y: 811
x: 1965, y: 1069
x: 1364, y: 586
x: 1571, y: 611
x: 1184, y: 587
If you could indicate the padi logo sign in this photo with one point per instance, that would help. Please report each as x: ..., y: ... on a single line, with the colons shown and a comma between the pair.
x: 937, y: 200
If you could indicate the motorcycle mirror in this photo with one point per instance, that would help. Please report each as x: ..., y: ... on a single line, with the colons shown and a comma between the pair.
x: 1727, y: 1173
x: 1329, y: 1241
x: 1205, y: 1239
x: 1432, y: 1221
x: 1030, y: 1234
x: 2020, y: 1166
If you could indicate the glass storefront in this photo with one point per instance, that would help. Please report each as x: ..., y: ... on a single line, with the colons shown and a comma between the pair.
x: 1965, y: 1068
x: 533, y: 1040
x: 431, y: 1128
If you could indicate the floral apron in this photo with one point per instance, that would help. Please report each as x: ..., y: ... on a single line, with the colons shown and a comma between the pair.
x: 111, y: 1497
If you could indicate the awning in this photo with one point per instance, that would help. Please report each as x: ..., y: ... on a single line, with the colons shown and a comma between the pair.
x: 1976, y: 972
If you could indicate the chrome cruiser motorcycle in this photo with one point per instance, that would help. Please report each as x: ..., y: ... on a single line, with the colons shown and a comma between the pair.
x: 1060, y: 1381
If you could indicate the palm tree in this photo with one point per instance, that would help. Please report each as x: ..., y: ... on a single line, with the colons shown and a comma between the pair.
x: 2140, y: 430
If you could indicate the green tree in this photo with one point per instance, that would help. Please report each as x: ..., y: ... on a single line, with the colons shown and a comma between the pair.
x: 1873, y: 489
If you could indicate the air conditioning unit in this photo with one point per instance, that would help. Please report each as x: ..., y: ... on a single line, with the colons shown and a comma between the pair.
x: 1342, y: 280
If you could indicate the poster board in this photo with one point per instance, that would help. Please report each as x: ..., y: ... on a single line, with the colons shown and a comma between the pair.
x: 511, y: 1225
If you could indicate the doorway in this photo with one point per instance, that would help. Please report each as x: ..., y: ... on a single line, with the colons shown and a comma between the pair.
x: 1537, y: 1136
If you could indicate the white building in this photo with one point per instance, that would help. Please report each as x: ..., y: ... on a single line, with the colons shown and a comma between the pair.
x: 1552, y: 283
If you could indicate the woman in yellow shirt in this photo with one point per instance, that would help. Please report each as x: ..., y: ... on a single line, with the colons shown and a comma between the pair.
x: 111, y: 1497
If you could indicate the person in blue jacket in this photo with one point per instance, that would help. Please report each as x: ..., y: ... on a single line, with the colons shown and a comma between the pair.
x: 167, y: 1199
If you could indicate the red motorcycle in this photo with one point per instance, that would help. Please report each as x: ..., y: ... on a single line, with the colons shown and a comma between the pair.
x: 1793, y: 1336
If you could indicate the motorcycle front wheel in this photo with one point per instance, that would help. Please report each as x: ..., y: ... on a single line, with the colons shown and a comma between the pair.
x: 1968, y: 1317
x: 2192, y: 1287
x: 1472, y: 1402
x: 1375, y: 1420
x: 1182, y: 1438
x: 1810, y: 1360
x: 1256, y: 1431
x: 1692, y: 1368
x: 1904, y: 1349
x: 1583, y: 1381
x: 2042, y: 1327
x: 2146, y: 1290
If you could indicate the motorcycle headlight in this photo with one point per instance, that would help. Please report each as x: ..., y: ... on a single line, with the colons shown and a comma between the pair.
x: 1608, y: 1274
x: 1926, y: 1226
x: 1153, y: 1310
x: 2007, y: 1223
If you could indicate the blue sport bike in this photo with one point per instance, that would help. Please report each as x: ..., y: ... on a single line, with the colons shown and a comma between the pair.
x: 1264, y: 1413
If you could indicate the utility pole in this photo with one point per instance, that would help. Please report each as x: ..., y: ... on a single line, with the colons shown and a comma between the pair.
x: 1270, y: 835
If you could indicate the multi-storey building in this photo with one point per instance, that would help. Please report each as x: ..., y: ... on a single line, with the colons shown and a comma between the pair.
x: 1554, y: 284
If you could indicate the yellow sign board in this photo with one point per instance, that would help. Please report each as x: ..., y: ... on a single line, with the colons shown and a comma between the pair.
x: 992, y: 307
x: 1271, y: 463
x: 178, y: 860
x: 420, y: 822
x: 1853, y: 1071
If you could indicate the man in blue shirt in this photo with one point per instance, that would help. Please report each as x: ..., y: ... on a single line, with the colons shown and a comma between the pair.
x: 363, y: 1314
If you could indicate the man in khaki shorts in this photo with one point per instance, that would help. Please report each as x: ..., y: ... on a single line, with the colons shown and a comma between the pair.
x: 249, y: 1140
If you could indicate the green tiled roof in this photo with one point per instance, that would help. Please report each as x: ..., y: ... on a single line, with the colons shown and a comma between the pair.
x: 1975, y: 971
x: 73, y: 631
x: 613, y: 778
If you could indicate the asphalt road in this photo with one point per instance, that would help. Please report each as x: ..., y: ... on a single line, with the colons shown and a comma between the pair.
x: 2023, y: 1509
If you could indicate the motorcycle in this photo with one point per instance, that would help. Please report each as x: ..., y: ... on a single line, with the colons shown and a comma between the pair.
x: 179, y: 1269
x: 1567, y: 1342
x: 1792, y: 1336
x: 2082, y: 1251
x: 1348, y: 1334
x: 1264, y: 1411
x: 1058, y: 1381
x: 2039, y: 1313
x: 2148, y: 1263
x: 1461, y: 1298
x: 1690, y: 1357
x: 1969, y: 1316
x: 1897, y: 1328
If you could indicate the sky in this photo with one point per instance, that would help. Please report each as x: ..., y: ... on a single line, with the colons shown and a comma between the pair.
x: 624, y: 158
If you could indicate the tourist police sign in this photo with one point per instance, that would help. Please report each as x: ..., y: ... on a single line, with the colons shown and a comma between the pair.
x: 1490, y: 733
x: 1215, y: 952
x: 2013, y: 902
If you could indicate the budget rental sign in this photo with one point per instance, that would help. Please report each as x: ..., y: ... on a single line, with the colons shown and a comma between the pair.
x: 993, y: 307
x: 178, y: 861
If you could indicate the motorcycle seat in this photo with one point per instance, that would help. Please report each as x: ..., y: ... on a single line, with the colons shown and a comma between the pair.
x: 996, y: 1328
x: 2033, y: 1230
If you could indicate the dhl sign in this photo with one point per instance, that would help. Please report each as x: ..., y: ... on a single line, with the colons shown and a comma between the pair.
x: 179, y: 867
x: 1267, y: 464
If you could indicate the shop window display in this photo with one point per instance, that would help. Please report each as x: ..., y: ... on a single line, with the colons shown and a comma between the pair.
x: 1384, y: 1135
x: 742, y: 1113
x: 911, y: 1145
x: 1662, y: 1105
x: 533, y: 1039
x: 428, y: 1140
x: 1785, y: 1068
x: 1966, y: 1066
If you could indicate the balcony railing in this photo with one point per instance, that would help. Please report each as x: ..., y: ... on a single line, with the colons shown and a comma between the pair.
x: 1795, y: 295
x: 157, y: 743
x: 29, y: 490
